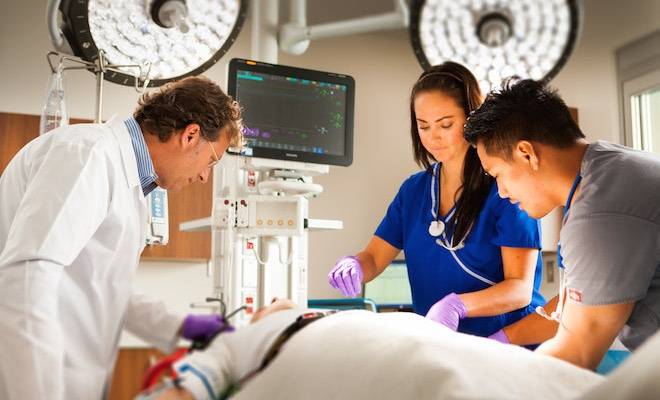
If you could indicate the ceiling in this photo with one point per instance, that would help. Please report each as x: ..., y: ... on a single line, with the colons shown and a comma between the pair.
x: 323, y: 11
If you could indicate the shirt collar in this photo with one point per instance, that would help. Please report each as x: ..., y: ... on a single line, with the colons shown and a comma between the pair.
x: 146, y: 171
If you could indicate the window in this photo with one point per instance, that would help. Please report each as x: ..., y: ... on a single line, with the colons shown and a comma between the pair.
x: 642, y: 112
x: 638, y: 70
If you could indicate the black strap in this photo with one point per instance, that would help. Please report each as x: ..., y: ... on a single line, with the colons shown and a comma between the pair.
x: 301, y: 322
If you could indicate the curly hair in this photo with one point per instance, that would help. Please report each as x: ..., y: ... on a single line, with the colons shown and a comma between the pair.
x: 521, y: 110
x: 194, y: 99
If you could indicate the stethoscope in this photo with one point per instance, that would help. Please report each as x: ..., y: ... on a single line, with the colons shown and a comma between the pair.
x: 437, y: 227
x: 556, y: 315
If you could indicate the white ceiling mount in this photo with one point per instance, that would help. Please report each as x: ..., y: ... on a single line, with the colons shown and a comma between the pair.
x: 294, y: 36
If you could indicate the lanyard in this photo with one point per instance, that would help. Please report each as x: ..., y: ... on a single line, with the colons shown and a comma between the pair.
x: 576, y: 182
x: 435, y: 204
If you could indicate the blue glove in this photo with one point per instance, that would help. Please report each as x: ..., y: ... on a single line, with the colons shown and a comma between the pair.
x: 203, y: 327
x: 448, y: 311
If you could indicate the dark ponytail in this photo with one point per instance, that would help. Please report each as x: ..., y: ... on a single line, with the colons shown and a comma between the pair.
x: 454, y: 80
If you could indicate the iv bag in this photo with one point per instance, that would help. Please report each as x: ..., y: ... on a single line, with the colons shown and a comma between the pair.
x: 54, y: 113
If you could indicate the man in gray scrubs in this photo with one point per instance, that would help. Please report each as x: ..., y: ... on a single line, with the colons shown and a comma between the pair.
x: 610, y: 238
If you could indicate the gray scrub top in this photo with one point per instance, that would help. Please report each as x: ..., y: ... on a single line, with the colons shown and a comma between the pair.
x: 610, y: 241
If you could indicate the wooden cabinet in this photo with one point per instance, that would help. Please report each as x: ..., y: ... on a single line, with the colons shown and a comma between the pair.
x: 192, y: 202
x: 130, y: 368
x: 15, y: 131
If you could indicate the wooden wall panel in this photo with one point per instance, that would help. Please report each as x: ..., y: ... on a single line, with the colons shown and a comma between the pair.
x: 192, y: 202
x: 15, y: 131
x: 129, y: 371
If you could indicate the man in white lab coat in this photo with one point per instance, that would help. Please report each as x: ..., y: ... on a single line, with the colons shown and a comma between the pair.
x: 72, y: 226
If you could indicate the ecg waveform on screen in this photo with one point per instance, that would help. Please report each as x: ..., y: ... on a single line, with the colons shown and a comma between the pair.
x: 255, y: 133
x: 256, y: 137
x: 311, y: 119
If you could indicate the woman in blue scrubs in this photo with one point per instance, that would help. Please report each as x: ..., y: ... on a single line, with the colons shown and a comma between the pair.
x: 473, y: 258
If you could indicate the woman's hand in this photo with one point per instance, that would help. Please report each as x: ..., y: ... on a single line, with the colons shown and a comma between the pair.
x: 448, y: 311
x: 346, y: 276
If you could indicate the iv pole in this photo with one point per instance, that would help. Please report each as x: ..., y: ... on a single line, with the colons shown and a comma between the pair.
x: 100, y: 67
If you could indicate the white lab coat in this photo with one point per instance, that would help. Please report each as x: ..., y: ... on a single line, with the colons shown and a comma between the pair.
x: 72, y: 227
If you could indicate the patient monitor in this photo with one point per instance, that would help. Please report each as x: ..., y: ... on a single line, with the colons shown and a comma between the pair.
x: 390, y: 290
x: 297, y: 122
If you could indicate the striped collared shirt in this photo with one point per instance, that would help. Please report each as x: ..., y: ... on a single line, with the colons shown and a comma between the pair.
x: 146, y: 171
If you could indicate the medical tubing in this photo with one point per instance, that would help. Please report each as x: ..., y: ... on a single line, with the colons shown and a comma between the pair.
x: 229, y: 244
x: 256, y: 254
x: 290, y: 256
x: 562, y: 293
x: 236, y: 311
x: 282, y: 261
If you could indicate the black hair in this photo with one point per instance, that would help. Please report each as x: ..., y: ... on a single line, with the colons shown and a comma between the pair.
x: 456, y: 81
x: 521, y: 110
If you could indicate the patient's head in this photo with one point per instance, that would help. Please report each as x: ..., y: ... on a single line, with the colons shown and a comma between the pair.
x: 275, y: 306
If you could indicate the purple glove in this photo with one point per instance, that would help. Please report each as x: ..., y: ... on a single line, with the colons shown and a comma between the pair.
x: 500, y: 336
x: 203, y: 327
x: 347, y: 276
x: 448, y: 311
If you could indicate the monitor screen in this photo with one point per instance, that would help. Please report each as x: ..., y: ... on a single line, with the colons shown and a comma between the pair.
x: 294, y: 114
x: 391, y: 287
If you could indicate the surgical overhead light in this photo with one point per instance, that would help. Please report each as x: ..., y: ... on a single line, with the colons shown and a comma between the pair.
x: 496, y: 39
x: 176, y: 38
x: 170, y: 13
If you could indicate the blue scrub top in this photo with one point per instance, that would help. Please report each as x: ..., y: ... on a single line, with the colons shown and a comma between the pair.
x: 432, y: 270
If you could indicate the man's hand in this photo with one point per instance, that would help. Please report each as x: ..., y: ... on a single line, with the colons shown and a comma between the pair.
x: 203, y: 327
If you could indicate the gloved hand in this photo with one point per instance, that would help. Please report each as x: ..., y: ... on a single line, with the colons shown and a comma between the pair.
x: 448, y: 311
x: 347, y: 276
x: 500, y: 336
x: 203, y: 326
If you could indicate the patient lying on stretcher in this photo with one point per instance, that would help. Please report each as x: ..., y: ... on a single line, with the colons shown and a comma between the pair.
x: 293, y: 353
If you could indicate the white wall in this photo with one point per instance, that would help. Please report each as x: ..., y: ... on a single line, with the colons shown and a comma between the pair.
x: 588, y: 81
x: 384, y: 67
